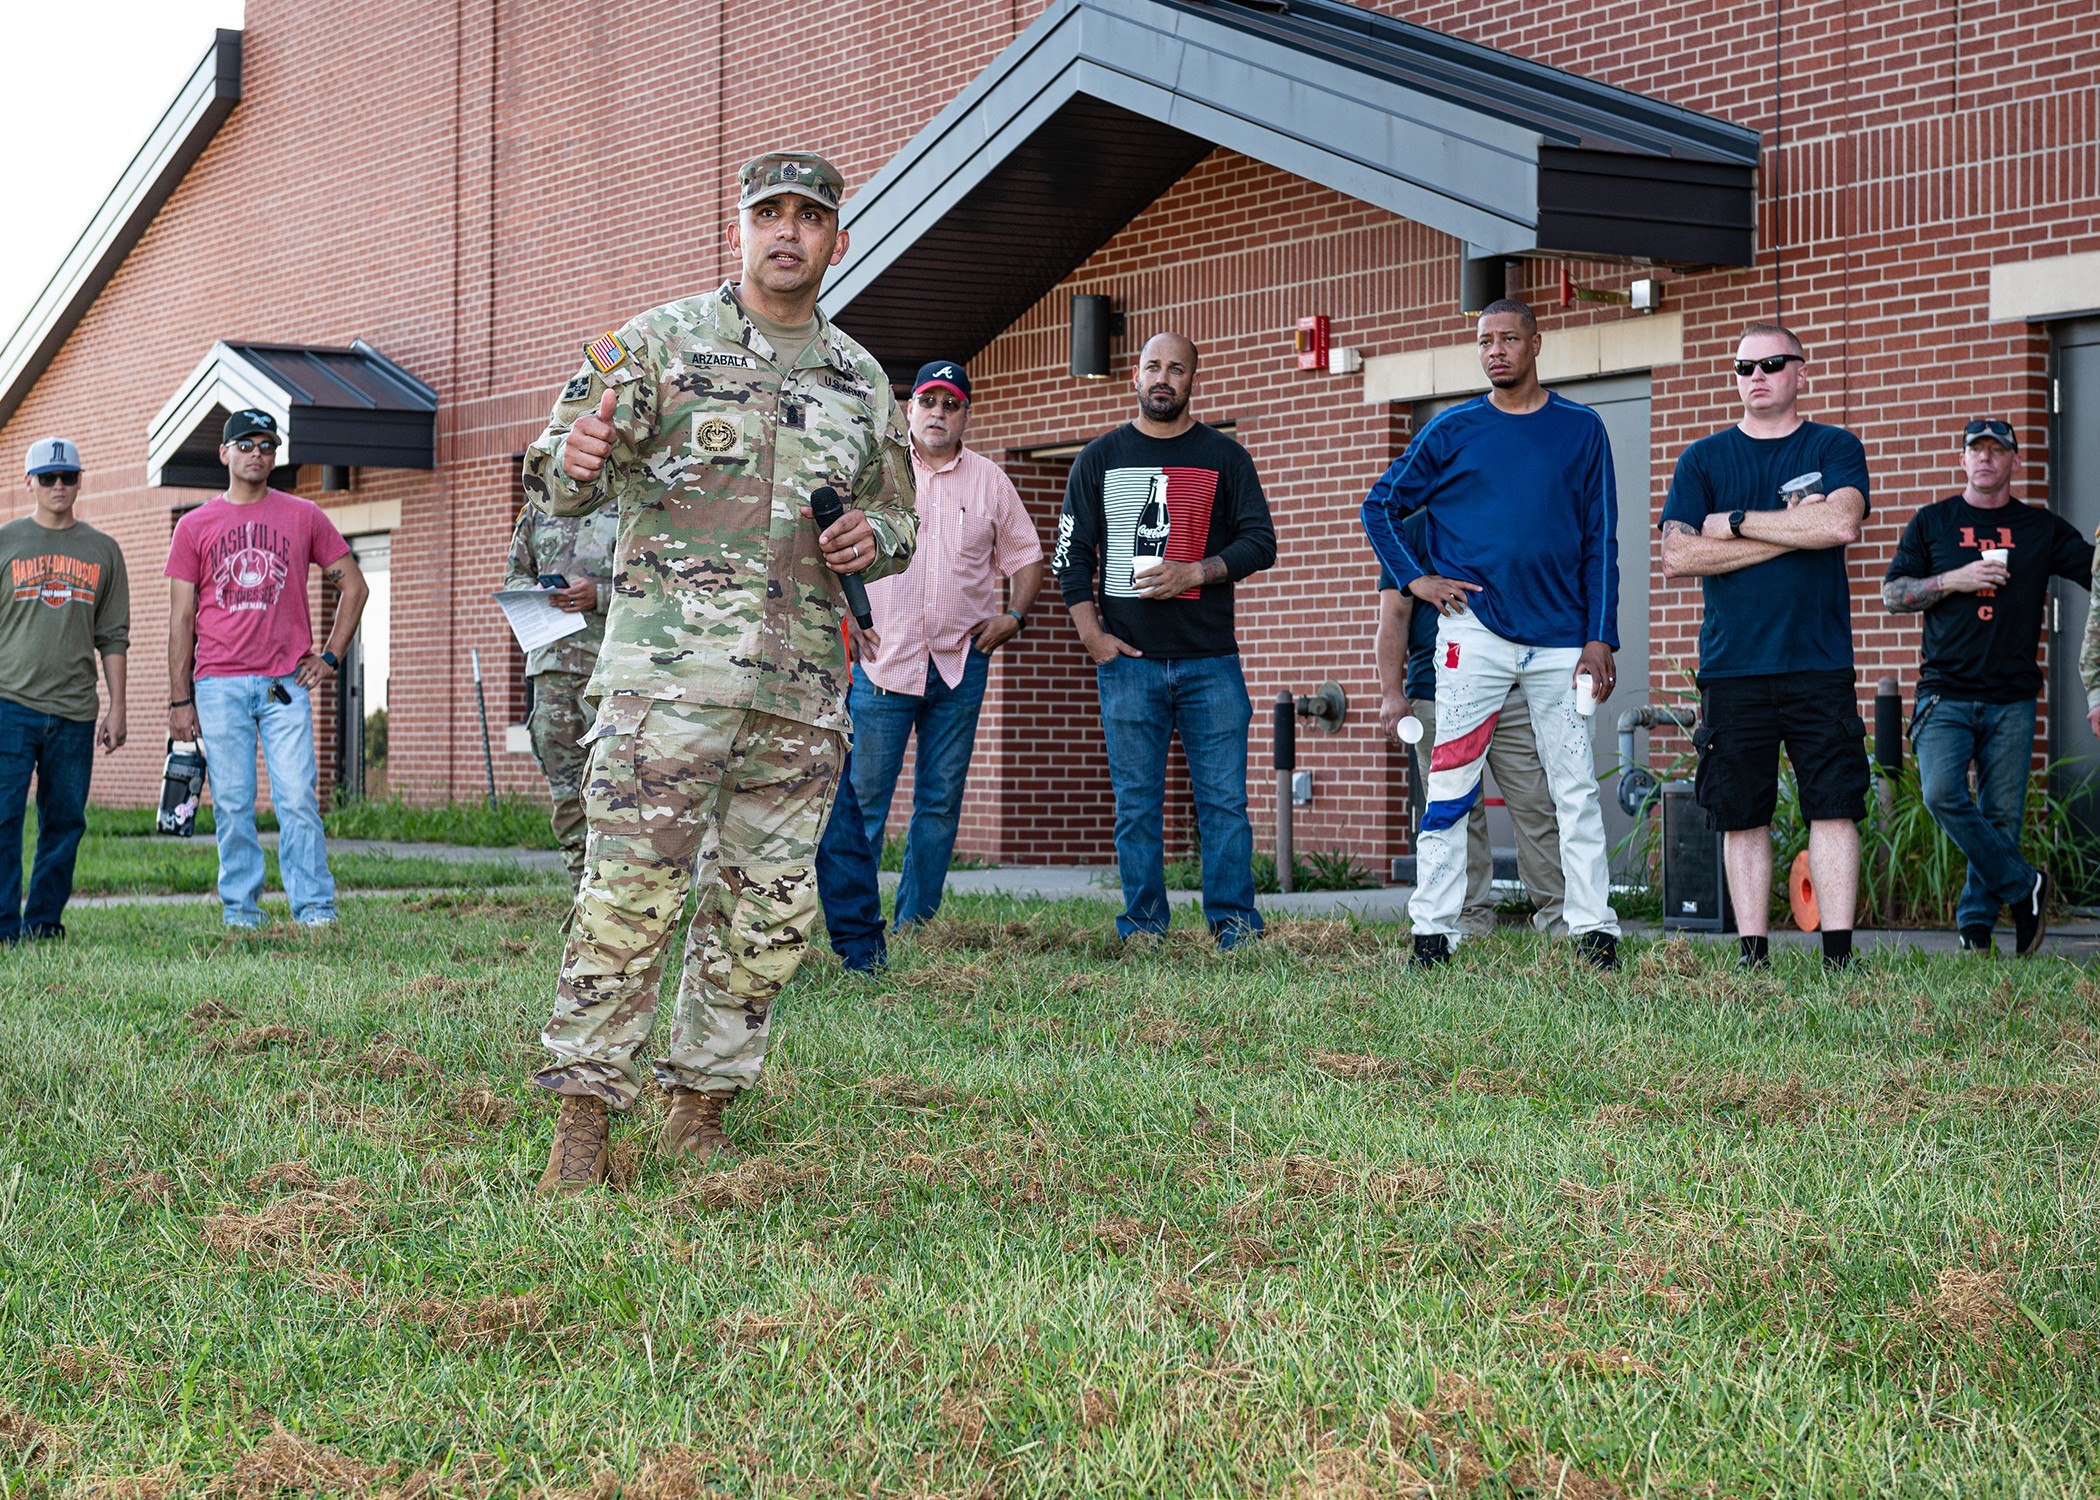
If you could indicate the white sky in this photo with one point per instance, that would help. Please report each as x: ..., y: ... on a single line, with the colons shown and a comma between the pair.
x: 84, y: 83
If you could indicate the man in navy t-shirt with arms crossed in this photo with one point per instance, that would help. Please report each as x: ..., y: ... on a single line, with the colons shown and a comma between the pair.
x: 1762, y: 512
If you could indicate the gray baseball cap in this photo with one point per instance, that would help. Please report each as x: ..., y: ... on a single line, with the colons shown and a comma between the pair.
x: 51, y: 456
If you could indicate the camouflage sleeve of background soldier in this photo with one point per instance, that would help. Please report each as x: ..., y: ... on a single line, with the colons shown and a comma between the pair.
x: 547, y: 484
x: 885, y: 491
x: 522, y: 571
x: 2089, y: 658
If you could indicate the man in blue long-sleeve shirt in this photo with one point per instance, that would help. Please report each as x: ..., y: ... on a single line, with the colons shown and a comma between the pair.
x: 1522, y: 564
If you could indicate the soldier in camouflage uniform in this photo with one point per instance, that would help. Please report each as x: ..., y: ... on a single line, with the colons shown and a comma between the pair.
x: 581, y: 551
x: 721, y: 683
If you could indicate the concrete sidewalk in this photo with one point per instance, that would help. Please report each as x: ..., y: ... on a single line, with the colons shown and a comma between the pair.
x: 2077, y: 939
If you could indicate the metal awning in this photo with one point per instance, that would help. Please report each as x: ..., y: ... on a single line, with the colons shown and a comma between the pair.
x: 352, y: 408
x: 1098, y: 107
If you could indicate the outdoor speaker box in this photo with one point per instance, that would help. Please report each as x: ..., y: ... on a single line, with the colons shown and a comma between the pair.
x: 1694, y: 877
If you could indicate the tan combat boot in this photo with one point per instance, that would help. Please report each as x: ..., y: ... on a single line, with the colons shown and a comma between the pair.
x: 582, y: 1145
x: 693, y: 1128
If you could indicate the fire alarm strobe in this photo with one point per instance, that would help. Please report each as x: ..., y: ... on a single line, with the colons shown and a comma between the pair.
x: 1311, y: 342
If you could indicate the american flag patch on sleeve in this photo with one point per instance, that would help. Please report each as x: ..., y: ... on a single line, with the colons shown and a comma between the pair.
x: 606, y: 352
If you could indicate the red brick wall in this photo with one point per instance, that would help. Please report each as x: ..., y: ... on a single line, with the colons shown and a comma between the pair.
x: 477, y: 189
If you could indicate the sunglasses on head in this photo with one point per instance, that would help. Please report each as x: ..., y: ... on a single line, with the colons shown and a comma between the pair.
x: 930, y: 402
x: 48, y: 481
x: 253, y: 445
x: 1988, y: 427
x: 1771, y: 364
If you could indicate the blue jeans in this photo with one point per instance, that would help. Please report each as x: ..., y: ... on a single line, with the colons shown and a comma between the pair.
x: 847, y: 883
x: 945, y: 719
x: 61, y: 752
x: 235, y: 713
x: 1145, y: 700
x: 1999, y: 737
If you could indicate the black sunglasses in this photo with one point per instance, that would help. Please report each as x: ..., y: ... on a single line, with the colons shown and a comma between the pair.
x: 1771, y: 364
x: 1989, y: 427
x: 49, y: 481
x: 252, y: 445
x: 938, y: 403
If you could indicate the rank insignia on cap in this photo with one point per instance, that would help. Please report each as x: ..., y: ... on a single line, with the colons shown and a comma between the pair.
x: 606, y: 352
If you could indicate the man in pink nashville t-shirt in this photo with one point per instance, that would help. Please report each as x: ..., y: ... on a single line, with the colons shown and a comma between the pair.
x: 241, y: 662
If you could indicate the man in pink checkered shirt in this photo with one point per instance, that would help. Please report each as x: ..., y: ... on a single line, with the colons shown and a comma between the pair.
x: 923, y: 668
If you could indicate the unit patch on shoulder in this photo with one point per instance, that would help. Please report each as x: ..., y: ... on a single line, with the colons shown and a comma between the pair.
x: 606, y: 352
x: 717, y: 437
x: 577, y: 389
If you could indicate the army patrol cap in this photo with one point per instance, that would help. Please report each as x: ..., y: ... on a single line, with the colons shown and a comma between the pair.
x: 780, y: 173
x: 51, y: 456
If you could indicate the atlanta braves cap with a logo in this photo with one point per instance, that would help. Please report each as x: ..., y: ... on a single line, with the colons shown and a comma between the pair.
x: 249, y: 423
x: 51, y: 456
x: 944, y: 374
x: 779, y: 173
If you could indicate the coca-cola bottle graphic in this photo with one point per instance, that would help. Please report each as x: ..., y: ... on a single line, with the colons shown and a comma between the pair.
x: 1148, y: 544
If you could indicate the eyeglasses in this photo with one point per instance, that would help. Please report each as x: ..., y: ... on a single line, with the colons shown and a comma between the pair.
x: 1988, y: 427
x: 253, y: 445
x: 1771, y: 364
x: 930, y: 402
x: 49, y: 481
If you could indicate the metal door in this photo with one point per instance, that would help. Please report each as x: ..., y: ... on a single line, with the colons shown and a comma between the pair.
x: 2074, y: 494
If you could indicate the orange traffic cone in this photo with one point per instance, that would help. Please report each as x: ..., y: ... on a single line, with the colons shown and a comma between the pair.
x: 1801, y: 894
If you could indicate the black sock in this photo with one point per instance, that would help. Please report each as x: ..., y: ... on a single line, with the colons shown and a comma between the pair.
x: 1837, y: 948
x: 1757, y: 951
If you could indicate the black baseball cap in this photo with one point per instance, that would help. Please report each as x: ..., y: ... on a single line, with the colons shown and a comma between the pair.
x: 1980, y: 428
x: 249, y: 423
x: 946, y: 374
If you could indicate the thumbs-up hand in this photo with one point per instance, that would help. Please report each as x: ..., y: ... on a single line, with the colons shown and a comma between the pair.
x: 589, y: 441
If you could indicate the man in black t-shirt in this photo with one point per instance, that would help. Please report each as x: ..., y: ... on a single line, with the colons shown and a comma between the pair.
x: 1166, y: 514
x: 1762, y: 512
x: 1978, y: 565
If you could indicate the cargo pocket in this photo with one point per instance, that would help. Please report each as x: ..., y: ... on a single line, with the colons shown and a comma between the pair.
x: 1703, y: 788
x: 611, y: 789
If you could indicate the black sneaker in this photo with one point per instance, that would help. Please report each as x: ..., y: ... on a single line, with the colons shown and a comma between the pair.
x: 1431, y: 950
x: 2031, y: 917
x: 1600, y: 950
x: 1976, y: 939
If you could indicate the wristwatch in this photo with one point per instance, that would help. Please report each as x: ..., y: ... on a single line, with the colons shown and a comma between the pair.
x: 1735, y: 523
x: 334, y: 665
x: 1020, y: 620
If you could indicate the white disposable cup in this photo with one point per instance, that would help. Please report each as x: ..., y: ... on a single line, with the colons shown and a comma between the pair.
x: 1585, y: 695
x: 1411, y: 730
x: 1145, y: 563
x: 2000, y: 555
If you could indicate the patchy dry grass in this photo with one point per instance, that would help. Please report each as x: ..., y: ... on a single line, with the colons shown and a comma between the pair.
x: 1027, y: 1219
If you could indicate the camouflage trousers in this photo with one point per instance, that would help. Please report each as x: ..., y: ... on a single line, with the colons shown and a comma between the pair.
x: 560, y: 719
x: 677, y: 793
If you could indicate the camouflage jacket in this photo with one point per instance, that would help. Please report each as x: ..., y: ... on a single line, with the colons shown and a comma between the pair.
x: 576, y: 547
x: 721, y: 597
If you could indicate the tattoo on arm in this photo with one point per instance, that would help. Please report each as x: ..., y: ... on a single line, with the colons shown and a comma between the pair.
x: 1674, y: 527
x: 1906, y: 595
x: 1213, y: 570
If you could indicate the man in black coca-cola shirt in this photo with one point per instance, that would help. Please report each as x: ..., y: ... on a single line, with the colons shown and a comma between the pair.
x: 1978, y: 565
x: 1165, y: 515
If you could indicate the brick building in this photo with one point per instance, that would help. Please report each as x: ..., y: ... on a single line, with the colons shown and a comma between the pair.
x: 466, y: 194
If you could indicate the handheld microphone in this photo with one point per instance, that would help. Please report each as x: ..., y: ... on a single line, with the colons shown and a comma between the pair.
x: 826, y: 507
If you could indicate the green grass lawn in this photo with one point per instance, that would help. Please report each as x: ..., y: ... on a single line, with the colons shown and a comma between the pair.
x: 115, y: 861
x: 1021, y: 1220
